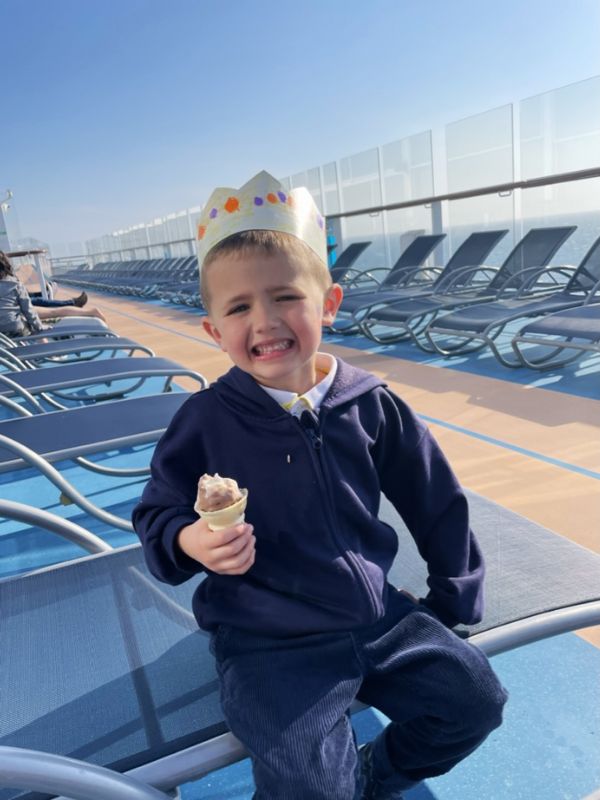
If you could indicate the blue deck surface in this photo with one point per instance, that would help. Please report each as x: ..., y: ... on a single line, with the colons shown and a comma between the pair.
x: 548, y: 746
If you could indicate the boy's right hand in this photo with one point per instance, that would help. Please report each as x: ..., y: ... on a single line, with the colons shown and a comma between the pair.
x: 227, y: 552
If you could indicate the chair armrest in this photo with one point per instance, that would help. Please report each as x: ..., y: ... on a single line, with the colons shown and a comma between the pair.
x: 529, y: 286
x: 447, y: 283
x: 592, y: 294
x: 354, y: 277
x: 519, y: 275
x: 417, y: 276
x: 45, y: 772
x: 70, y: 531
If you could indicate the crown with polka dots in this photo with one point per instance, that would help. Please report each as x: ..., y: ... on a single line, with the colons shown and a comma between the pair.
x: 261, y: 204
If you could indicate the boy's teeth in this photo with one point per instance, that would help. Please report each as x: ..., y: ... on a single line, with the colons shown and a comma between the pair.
x: 262, y: 349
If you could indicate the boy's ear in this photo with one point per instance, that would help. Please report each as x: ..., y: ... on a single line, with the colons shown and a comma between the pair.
x: 213, y: 332
x: 331, y: 303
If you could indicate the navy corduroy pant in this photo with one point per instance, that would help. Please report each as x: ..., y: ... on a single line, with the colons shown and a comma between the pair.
x: 287, y: 700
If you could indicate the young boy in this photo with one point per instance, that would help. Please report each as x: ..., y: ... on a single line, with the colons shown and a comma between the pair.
x: 296, y: 599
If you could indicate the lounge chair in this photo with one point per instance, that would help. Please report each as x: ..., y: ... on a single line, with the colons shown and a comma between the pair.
x: 43, y: 439
x: 407, y: 319
x: 84, y: 347
x: 478, y: 326
x: 340, y: 271
x: 57, y: 380
x: 122, y: 679
x: 561, y: 338
x: 418, y: 282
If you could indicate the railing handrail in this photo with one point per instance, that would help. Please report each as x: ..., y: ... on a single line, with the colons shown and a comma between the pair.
x: 500, y: 188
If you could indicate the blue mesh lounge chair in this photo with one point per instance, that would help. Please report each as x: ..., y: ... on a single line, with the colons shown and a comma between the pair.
x: 560, y: 338
x: 106, y: 372
x: 356, y: 281
x: 407, y: 319
x: 405, y: 266
x: 417, y: 282
x: 69, y: 327
x: 84, y: 347
x: 123, y: 680
x: 478, y: 326
x: 42, y: 439
x: 340, y: 271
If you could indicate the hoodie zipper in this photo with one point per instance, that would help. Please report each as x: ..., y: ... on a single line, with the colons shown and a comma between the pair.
x: 315, y: 439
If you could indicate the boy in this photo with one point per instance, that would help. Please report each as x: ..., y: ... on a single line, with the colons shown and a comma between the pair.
x: 301, y: 616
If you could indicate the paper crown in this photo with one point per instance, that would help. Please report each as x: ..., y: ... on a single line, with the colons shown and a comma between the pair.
x: 261, y: 204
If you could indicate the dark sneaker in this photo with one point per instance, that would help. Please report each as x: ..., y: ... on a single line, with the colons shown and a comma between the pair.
x: 372, y: 788
x: 81, y: 300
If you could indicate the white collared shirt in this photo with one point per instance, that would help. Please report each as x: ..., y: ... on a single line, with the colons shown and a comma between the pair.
x: 312, y: 399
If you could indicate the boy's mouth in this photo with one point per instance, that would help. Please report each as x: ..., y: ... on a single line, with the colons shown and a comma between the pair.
x: 270, y: 349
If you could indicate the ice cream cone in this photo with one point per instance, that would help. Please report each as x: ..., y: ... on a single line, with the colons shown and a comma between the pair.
x: 225, y: 517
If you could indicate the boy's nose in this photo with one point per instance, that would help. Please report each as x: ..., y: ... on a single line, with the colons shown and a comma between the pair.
x: 264, y: 318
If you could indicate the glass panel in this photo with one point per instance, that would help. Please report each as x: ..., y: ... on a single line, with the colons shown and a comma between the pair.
x: 560, y: 130
x: 407, y: 168
x: 488, y: 212
x: 330, y: 189
x: 311, y: 179
x: 402, y: 226
x: 573, y: 203
x: 479, y: 150
x: 359, y: 178
x: 365, y: 228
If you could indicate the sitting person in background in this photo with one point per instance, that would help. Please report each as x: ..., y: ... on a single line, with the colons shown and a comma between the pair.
x: 17, y: 315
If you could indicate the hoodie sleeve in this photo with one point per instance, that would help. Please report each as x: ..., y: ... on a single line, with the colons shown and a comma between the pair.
x: 167, y: 502
x: 417, y: 479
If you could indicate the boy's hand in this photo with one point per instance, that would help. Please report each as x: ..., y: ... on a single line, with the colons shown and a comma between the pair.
x: 227, y: 552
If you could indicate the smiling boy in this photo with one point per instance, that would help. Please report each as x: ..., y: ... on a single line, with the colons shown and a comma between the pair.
x: 302, y: 618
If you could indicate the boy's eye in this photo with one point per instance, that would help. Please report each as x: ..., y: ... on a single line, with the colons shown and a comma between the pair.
x: 288, y: 297
x: 238, y: 309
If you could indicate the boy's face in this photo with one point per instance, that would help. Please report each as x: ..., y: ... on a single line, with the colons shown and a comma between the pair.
x: 266, y: 312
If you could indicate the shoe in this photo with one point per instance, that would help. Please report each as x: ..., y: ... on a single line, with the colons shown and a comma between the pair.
x: 372, y: 788
x: 81, y: 300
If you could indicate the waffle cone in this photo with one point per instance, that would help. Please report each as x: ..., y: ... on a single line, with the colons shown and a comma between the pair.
x: 225, y: 517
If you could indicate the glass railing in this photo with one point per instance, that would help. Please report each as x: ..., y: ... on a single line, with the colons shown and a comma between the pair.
x: 520, y: 165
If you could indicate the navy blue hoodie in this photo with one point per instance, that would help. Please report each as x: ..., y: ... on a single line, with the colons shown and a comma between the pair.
x: 314, y: 484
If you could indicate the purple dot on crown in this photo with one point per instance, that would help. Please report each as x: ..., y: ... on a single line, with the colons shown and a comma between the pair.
x: 320, y: 221
x: 282, y: 196
x: 258, y: 201
x: 213, y: 213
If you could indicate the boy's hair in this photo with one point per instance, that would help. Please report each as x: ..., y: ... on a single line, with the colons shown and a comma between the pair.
x: 270, y: 243
x: 6, y: 267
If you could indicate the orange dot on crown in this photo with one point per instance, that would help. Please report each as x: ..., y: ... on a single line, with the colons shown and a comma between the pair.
x: 272, y: 198
x: 232, y: 204
x: 201, y: 231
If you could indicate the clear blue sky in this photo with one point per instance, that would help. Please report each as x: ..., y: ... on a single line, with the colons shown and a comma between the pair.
x: 119, y: 111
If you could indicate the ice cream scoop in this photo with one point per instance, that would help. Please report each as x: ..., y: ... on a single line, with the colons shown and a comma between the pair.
x: 220, y: 501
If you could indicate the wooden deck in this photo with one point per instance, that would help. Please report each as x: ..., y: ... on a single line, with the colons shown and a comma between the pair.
x: 525, y: 448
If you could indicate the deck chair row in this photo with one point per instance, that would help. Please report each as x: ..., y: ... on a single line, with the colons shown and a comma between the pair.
x: 89, y: 404
x: 123, y: 680
x: 469, y: 305
x: 144, y: 278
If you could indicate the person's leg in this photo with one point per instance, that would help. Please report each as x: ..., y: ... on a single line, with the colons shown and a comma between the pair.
x: 59, y: 313
x: 440, y: 693
x: 38, y: 301
x: 287, y: 700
